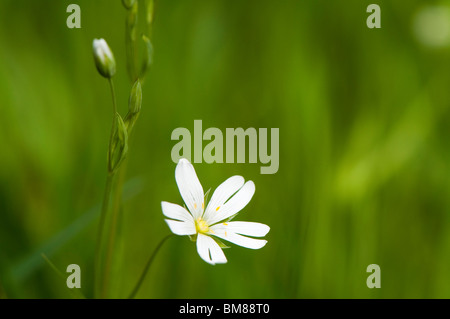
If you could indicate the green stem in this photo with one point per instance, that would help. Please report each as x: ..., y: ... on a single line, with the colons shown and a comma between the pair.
x: 75, y: 293
x: 106, y: 200
x: 113, y: 93
x: 114, y: 122
x: 101, y: 226
x: 117, y: 196
x: 130, y: 41
x: 147, y: 267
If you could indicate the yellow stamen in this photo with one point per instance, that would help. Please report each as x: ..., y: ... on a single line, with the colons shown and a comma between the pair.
x: 218, y: 207
x: 201, y: 226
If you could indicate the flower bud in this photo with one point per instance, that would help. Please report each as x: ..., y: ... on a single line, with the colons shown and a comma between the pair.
x: 104, y: 58
x: 148, y: 57
x: 150, y: 7
x: 135, y: 101
x: 118, y: 146
x: 131, y: 21
x: 134, y: 106
x: 128, y: 3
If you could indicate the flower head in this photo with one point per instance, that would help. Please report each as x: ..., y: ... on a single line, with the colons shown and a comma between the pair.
x: 209, y: 223
x: 104, y: 58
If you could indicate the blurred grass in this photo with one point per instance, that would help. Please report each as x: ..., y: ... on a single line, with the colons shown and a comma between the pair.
x: 364, y: 157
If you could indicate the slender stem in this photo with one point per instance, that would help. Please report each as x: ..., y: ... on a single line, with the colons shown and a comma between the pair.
x: 130, y: 41
x: 113, y: 93
x: 76, y: 293
x: 117, y: 196
x: 106, y: 198
x: 101, y: 226
x: 147, y: 267
x: 114, y: 122
x: 129, y: 44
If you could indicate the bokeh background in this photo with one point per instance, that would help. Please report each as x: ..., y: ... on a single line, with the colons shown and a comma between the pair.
x: 364, y: 171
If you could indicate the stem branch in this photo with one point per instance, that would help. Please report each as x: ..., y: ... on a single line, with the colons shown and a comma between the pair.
x: 147, y: 267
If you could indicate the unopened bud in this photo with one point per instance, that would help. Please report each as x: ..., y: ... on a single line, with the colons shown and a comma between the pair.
x: 135, y: 101
x: 128, y: 3
x: 104, y: 58
x: 131, y: 21
x: 148, y: 57
x: 118, y: 146
x: 150, y: 7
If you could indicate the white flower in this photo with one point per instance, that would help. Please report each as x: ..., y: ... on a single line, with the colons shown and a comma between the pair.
x: 104, y: 58
x: 228, y: 199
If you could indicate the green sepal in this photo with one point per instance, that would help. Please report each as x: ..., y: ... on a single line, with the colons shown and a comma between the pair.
x: 128, y: 3
x: 150, y: 6
x: 217, y: 240
x: 206, y: 196
x: 148, y: 56
x: 130, y: 120
x: 118, y: 146
x: 131, y: 21
x: 134, y: 106
x: 130, y: 41
x: 135, y: 100
x: 220, y: 243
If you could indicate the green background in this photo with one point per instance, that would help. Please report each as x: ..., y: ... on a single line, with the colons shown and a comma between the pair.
x: 364, y: 173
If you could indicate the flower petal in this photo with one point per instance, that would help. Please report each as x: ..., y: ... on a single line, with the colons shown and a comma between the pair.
x: 234, y: 204
x: 224, y: 232
x: 175, y: 211
x: 181, y: 228
x: 209, y: 250
x: 190, y: 188
x: 222, y: 194
x: 244, y: 228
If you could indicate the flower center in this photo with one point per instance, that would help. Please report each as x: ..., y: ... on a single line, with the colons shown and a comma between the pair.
x: 201, y: 226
